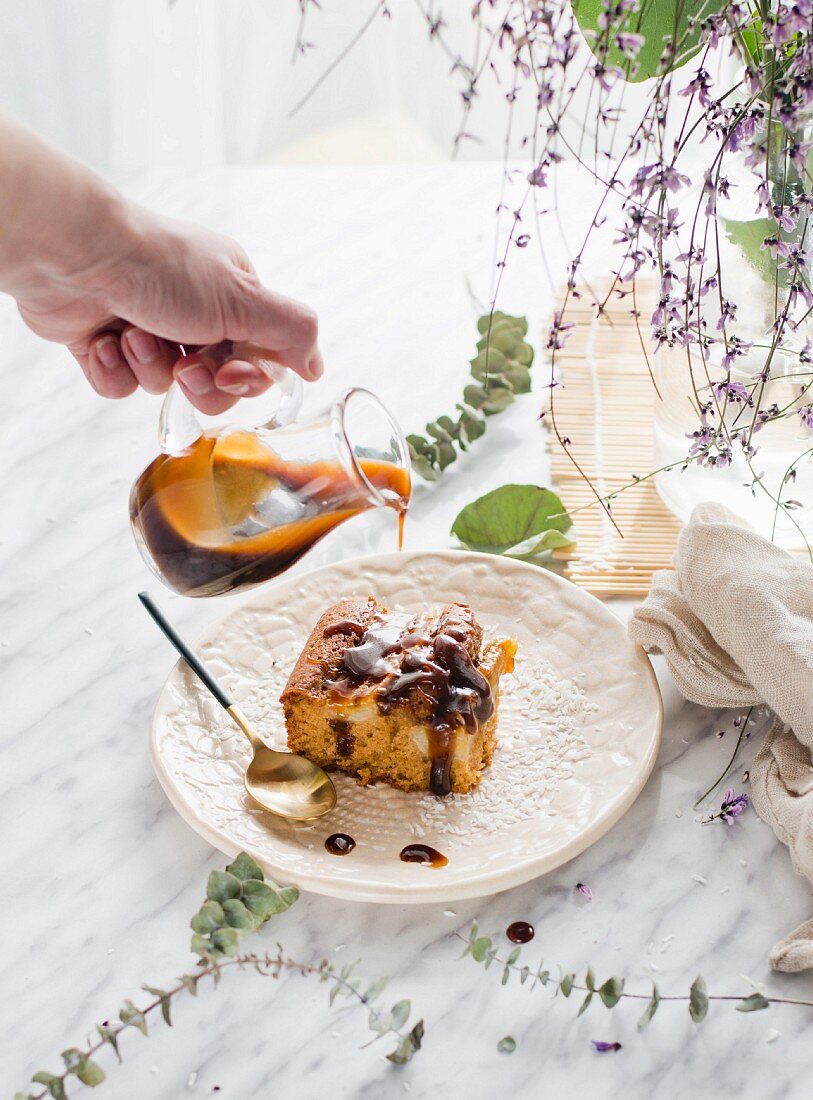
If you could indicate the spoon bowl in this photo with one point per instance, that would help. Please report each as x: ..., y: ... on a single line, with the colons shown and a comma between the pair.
x: 282, y: 782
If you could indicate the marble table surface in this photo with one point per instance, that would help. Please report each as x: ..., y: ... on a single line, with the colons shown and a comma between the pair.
x: 100, y: 876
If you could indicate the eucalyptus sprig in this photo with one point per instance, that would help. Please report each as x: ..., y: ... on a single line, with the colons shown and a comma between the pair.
x: 239, y: 902
x: 612, y: 991
x: 501, y: 369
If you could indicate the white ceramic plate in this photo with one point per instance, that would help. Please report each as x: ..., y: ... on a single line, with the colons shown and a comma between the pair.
x: 580, y: 726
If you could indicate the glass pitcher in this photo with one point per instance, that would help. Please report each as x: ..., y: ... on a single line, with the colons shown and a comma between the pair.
x: 226, y: 506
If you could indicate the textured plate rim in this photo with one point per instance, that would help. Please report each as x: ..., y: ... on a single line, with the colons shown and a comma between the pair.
x: 421, y: 892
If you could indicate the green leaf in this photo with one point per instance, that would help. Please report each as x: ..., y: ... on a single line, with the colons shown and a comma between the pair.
x: 610, y: 992
x: 53, y: 1083
x: 698, y: 1000
x: 374, y: 991
x: 238, y: 916
x: 510, y: 518
x: 499, y: 398
x: 400, y: 1014
x: 90, y: 1074
x: 164, y: 998
x: 480, y: 948
x: 519, y: 377
x: 487, y: 363
x: 190, y: 983
x: 424, y: 468
x: 748, y: 236
x: 656, y: 21
x: 245, y: 868
x: 446, y: 455
x: 512, y: 958
x: 408, y: 1045
x: 222, y: 885
x: 507, y: 1045
x: 265, y: 899
x: 133, y: 1016
x: 209, y: 917
x: 107, y: 1035
x: 437, y: 432
x: 23, y: 1096
x: 200, y: 945
x: 754, y: 1003
x: 651, y: 1008
x: 566, y: 984
x: 474, y: 396
x: 226, y: 940
x: 590, y: 979
x: 585, y: 1003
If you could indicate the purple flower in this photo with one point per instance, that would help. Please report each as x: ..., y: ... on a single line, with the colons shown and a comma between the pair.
x: 806, y: 415
x: 603, y: 1047
x: 732, y: 806
x: 734, y: 391
x: 585, y: 891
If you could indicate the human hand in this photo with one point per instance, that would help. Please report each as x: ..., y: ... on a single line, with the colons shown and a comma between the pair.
x: 123, y: 295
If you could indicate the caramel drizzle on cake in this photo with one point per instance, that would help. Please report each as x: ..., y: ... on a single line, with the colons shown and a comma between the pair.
x: 407, y: 699
x: 399, y: 653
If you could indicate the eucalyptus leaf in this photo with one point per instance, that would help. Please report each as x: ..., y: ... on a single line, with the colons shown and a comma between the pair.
x: 222, y: 885
x: 585, y: 1004
x: 651, y: 1008
x: 245, y: 868
x: 265, y: 899
x: 698, y: 1000
x: 507, y: 1045
x: 514, y: 519
x: 107, y: 1035
x: 164, y: 1000
x: 130, y: 1015
x: 199, y: 944
x: 400, y: 1014
x: 611, y: 991
x: 755, y: 1003
x: 566, y: 984
x: 480, y: 948
x: 54, y: 1084
x: 501, y: 371
x: 226, y: 940
x: 209, y: 917
x: 238, y: 916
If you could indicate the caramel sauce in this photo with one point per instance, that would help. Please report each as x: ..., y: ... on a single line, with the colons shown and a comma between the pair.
x: 520, y: 932
x: 422, y: 853
x: 405, y: 653
x: 229, y: 512
x: 340, y: 844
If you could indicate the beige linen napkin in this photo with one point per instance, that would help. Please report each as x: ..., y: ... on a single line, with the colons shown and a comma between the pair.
x: 735, y: 623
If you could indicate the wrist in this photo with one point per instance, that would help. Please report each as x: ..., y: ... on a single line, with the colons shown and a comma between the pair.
x: 64, y: 219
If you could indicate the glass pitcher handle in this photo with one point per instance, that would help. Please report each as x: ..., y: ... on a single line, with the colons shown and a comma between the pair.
x: 179, y: 425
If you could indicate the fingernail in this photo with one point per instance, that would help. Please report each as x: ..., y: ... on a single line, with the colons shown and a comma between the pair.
x: 239, y: 389
x: 197, y: 380
x: 143, y: 345
x: 108, y: 352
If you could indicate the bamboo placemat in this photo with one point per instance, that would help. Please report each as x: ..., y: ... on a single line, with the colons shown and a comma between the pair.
x: 605, y: 405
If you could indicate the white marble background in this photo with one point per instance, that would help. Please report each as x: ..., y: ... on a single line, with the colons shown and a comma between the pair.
x: 99, y: 876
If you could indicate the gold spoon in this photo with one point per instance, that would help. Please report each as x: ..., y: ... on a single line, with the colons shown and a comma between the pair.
x: 281, y: 782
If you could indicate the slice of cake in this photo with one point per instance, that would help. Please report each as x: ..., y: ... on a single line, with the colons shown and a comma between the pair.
x: 408, y: 699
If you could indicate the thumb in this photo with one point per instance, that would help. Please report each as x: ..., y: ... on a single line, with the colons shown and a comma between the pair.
x: 286, y: 329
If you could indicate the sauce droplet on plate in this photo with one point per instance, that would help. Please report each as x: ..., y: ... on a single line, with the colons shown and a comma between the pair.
x: 422, y: 853
x: 520, y: 932
x: 340, y: 844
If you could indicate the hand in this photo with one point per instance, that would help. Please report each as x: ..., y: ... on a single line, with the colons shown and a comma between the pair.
x: 124, y: 294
